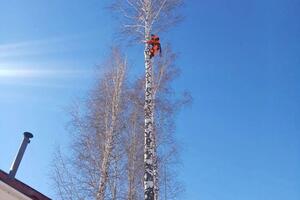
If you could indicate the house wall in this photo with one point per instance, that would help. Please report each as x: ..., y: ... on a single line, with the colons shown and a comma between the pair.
x: 9, y: 193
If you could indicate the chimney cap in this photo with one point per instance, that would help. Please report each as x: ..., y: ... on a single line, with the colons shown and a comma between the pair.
x: 28, y: 135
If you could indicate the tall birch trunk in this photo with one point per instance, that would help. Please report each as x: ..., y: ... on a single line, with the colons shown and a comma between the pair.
x: 150, y: 174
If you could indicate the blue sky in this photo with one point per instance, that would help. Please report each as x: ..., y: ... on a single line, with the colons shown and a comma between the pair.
x: 240, y: 60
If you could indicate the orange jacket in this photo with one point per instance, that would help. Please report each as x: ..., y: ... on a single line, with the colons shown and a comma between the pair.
x: 155, y: 43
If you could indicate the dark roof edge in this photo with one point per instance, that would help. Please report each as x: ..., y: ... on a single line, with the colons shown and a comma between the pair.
x: 22, y: 187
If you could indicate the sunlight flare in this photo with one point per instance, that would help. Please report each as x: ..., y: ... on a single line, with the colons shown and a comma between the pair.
x: 38, y: 73
x: 19, y: 73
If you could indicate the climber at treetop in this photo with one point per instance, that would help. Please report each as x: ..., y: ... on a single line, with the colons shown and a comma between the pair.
x: 155, y: 45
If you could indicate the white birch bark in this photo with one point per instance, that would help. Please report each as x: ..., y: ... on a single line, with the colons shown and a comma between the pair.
x: 149, y: 142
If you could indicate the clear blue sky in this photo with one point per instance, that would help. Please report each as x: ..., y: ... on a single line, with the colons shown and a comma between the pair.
x: 239, y: 59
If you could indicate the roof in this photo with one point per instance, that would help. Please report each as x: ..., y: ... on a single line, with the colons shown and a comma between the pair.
x: 22, y: 187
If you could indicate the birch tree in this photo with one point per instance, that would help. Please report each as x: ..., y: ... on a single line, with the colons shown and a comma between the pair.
x: 95, y: 155
x: 140, y: 18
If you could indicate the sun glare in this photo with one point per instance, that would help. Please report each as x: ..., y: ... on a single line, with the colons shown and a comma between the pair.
x: 6, y: 73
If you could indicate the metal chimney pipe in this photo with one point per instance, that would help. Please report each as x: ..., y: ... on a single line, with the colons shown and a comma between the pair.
x: 17, y: 161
